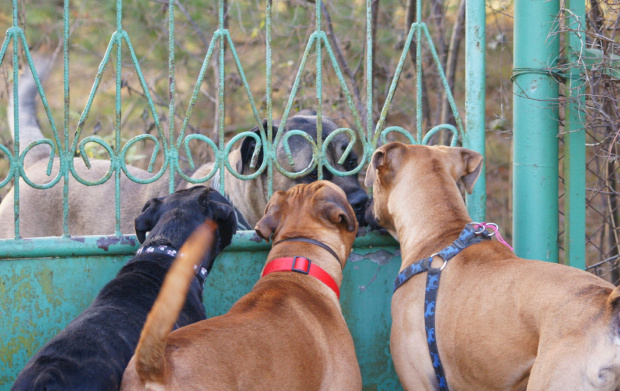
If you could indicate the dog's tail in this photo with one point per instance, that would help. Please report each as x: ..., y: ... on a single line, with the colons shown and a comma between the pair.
x: 150, y: 357
x: 29, y: 128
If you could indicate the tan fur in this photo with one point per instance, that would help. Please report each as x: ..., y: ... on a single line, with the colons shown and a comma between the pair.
x: 41, y: 210
x: 150, y: 359
x: 502, y: 322
x: 288, y: 333
x: 250, y: 197
x: 91, y: 208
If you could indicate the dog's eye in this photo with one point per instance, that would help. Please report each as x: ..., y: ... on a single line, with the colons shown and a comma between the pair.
x: 313, y: 176
x: 350, y: 164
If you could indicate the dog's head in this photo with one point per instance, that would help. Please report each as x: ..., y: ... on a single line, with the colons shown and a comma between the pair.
x: 301, y: 150
x: 398, y: 172
x: 171, y: 219
x: 318, y: 210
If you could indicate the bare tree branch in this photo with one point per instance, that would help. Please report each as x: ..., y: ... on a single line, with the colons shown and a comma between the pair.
x: 342, y: 61
x: 451, y: 65
x: 411, y: 17
x: 375, y: 18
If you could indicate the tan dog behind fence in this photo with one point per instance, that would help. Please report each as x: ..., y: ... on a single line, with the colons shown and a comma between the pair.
x: 41, y: 212
x: 501, y: 322
x: 288, y: 333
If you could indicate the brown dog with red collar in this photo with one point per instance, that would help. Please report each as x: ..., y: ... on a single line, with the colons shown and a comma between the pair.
x: 288, y: 333
x: 502, y: 322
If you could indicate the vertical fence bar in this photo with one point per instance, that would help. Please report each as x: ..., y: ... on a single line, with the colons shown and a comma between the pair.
x: 221, y: 110
x: 16, y: 119
x: 369, y: 92
x: 575, y: 141
x: 535, y: 161
x: 418, y: 70
x: 64, y: 151
x: 173, y: 158
x: 319, y: 91
x: 268, y: 91
x: 117, y: 124
x: 475, y: 44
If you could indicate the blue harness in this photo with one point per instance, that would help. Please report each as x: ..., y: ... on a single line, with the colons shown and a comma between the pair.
x: 468, y: 236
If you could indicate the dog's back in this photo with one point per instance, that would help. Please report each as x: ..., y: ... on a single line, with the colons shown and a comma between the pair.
x: 578, y: 329
x: 498, y: 321
x: 251, y: 346
x: 287, y: 333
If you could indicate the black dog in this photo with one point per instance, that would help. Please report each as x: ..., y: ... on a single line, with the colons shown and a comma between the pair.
x: 94, y: 349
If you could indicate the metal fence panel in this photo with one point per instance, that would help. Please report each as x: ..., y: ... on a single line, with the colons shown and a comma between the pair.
x: 39, y: 297
x: 46, y: 282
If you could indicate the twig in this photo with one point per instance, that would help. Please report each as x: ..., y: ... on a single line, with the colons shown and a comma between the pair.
x: 411, y: 17
x: 453, y: 55
x: 342, y: 61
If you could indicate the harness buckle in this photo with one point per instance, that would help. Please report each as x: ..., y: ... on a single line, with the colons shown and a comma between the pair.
x: 481, y: 229
x: 301, y: 270
x: 430, y: 262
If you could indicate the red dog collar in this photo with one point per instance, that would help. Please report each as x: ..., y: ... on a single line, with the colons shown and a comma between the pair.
x: 304, y: 266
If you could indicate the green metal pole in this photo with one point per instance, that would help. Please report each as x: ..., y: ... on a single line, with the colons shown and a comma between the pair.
x: 174, y: 157
x: 475, y: 44
x: 535, y: 153
x: 575, y: 141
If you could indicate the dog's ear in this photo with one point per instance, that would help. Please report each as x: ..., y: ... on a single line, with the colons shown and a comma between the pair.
x: 147, y: 219
x: 267, y: 225
x: 226, y: 219
x: 338, y: 213
x: 375, y: 162
x: 221, y: 212
x: 472, y: 166
x: 247, y: 149
x: 384, y: 159
x: 332, y: 204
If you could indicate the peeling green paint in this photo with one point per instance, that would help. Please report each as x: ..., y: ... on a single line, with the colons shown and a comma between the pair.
x: 45, y: 277
x: 39, y: 297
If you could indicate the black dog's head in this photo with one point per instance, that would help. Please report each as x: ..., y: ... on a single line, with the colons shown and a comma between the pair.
x: 171, y: 219
x: 306, y: 121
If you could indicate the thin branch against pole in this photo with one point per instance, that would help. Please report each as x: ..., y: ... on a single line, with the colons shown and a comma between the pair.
x: 216, y: 74
x: 197, y: 29
x: 438, y: 16
x: 451, y: 64
x: 375, y: 17
x: 342, y: 61
x: 411, y: 17
x: 596, y: 14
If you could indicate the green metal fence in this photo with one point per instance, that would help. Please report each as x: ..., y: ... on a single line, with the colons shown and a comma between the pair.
x: 45, y: 282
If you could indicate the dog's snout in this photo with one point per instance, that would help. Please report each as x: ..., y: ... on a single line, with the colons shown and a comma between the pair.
x: 358, y: 200
x: 369, y: 215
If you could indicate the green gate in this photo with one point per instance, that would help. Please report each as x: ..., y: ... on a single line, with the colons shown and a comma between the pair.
x: 46, y: 282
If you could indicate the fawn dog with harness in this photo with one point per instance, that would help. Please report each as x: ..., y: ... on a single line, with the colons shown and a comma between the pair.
x: 467, y: 313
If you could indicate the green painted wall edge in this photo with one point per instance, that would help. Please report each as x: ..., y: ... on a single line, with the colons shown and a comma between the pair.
x: 40, y: 296
x: 54, y: 247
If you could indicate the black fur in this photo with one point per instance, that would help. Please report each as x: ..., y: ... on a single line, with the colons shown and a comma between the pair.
x: 249, y: 144
x: 91, y: 353
x: 306, y: 121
